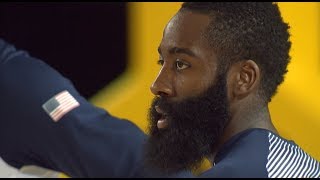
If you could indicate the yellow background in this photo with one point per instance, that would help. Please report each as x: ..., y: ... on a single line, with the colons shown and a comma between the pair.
x: 294, y: 110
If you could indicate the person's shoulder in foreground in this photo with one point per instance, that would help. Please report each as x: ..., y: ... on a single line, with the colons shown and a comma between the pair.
x: 262, y: 153
x: 47, y: 123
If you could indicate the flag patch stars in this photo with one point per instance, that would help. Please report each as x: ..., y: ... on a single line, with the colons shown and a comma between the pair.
x: 59, y: 105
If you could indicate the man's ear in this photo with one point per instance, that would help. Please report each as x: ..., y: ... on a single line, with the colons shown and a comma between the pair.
x: 246, y: 77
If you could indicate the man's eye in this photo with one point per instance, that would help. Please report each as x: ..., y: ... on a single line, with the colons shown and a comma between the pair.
x: 160, y: 62
x: 181, y: 65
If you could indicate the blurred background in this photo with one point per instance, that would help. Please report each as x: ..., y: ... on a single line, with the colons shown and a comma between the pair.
x: 109, y: 52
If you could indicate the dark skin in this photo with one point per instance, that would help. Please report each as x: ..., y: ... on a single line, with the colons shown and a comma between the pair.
x: 189, y: 67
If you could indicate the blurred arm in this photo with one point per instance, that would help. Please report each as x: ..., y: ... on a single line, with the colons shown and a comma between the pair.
x: 86, y: 142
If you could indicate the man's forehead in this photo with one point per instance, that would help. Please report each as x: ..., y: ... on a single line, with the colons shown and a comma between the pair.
x: 188, y: 21
x: 185, y: 29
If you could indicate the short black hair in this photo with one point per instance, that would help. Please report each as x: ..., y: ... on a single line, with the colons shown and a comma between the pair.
x: 249, y: 30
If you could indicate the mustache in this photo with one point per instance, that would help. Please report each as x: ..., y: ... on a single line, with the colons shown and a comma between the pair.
x: 153, y: 115
x: 163, y: 104
x: 169, y: 109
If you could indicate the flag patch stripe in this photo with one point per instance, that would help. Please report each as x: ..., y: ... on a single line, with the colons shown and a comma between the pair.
x: 59, y: 105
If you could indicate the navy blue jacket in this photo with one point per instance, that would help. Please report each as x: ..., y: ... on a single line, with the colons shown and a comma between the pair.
x: 86, y: 142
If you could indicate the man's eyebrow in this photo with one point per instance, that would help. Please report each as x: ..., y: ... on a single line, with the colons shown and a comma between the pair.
x: 159, y: 50
x: 177, y: 50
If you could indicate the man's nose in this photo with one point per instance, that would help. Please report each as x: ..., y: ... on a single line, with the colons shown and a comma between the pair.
x: 162, y: 86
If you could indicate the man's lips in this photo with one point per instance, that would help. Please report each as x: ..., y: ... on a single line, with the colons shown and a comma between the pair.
x: 162, y: 122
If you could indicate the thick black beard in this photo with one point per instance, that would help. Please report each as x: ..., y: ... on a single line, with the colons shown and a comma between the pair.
x: 195, y: 126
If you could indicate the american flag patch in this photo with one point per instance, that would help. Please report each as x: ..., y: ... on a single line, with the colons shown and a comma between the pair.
x: 60, y: 105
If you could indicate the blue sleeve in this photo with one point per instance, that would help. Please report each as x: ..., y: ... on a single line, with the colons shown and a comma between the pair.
x: 86, y: 142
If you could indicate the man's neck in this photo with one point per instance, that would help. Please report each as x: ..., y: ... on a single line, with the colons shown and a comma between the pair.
x: 243, y: 119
